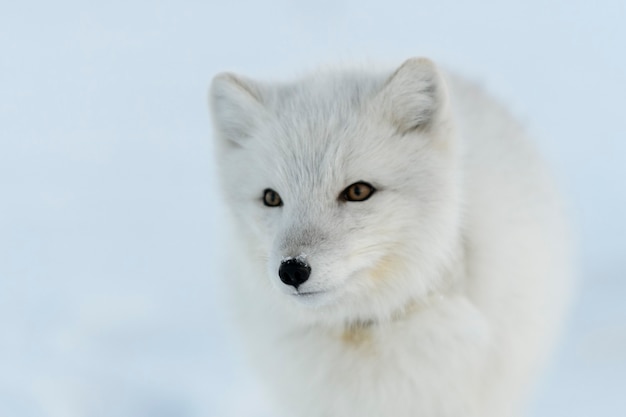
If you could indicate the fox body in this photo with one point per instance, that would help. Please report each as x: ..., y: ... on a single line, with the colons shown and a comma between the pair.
x: 396, y: 245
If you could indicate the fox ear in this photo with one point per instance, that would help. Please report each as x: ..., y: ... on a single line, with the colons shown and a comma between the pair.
x: 415, y: 96
x: 235, y: 104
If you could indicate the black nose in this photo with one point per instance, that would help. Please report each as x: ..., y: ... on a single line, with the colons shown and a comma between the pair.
x: 294, y: 272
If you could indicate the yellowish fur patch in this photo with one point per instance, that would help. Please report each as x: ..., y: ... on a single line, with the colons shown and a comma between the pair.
x: 357, y: 334
x: 384, y: 268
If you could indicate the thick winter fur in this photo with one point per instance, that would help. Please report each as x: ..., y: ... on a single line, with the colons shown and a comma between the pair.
x: 437, y: 296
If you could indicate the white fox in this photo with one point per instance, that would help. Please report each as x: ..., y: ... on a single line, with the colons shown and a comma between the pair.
x: 397, y: 247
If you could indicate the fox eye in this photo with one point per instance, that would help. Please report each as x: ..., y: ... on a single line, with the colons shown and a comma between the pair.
x: 271, y: 198
x: 359, y: 191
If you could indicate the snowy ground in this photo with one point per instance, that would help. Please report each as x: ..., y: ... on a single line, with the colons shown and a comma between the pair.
x: 108, y: 220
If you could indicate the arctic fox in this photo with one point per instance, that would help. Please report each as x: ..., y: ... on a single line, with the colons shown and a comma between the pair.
x: 398, y: 248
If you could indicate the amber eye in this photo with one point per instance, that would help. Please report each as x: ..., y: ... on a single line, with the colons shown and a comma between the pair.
x: 271, y: 198
x: 359, y: 191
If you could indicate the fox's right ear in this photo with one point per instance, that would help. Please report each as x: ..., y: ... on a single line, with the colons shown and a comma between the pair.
x: 415, y: 96
x: 236, y: 105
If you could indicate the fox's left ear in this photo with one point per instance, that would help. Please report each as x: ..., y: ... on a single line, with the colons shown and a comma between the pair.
x: 415, y: 96
x: 236, y: 106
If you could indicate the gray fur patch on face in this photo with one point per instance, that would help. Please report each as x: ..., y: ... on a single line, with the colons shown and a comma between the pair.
x: 301, y: 258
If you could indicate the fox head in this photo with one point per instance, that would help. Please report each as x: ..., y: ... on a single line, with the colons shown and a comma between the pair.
x: 344, y: 183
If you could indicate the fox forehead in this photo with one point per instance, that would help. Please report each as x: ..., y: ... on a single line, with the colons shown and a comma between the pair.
x: 319, y: 127
x: 320, y: 107
x: 323, y: 167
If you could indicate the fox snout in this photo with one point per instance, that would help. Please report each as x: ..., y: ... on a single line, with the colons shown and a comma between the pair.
x: 294, y: 272
x: 293, y: 244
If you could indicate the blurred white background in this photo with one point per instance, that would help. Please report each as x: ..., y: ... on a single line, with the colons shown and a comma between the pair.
x: 108, y: 208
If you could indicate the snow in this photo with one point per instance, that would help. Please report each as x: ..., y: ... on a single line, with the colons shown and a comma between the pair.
x: 109, y: 218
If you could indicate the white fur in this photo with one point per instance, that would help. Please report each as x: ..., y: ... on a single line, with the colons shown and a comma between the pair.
x: 439, y: 295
